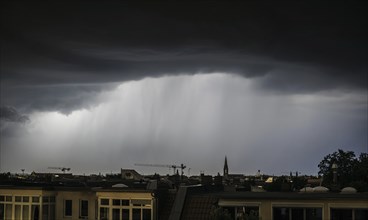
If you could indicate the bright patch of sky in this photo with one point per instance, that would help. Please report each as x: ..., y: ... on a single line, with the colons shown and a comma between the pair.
x: 195, y: 120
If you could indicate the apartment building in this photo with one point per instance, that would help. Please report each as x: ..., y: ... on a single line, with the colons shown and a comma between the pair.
x: 72, y: 203
x: 276, y: 205
x: 196, y: 202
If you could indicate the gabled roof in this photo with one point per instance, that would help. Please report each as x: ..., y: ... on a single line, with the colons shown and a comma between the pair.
x: 198, y: 207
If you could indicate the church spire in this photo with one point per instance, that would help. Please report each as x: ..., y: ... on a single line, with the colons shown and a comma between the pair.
x: 226, y: 169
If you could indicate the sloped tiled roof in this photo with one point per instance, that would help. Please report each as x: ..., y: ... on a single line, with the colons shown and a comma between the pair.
x: 166, y: 202
x: 198, y: 207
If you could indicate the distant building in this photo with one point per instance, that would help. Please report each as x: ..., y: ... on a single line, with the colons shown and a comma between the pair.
x: 231, y: 178
x: 129, y: 174
x: 226, y: 170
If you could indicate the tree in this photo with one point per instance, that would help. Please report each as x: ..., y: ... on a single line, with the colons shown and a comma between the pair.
x: 361, y: 169
x: 360, y: 174
x: 345, y: 162
x: 349, y: 168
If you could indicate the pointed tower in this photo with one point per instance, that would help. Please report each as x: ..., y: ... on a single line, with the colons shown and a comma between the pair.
x: 226, y: 169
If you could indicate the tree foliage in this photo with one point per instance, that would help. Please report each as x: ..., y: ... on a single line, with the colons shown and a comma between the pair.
x: 350, y: 169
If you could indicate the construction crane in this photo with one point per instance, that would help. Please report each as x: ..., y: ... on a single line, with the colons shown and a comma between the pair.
x: 181, y: 166
x: 60, y: 168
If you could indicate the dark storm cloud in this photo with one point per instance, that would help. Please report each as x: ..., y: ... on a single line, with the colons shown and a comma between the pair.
x: 62, y: 98
x: 11, y: 122
x: 10, y: 114
x: 298, y: 47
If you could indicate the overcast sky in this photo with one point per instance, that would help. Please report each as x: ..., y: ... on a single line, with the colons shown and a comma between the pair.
x: 99, y: 86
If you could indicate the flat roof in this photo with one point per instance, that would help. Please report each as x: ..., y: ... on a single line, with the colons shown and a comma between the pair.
x: 118, y: 189
x: 289, y: 195
x: 74, y: 188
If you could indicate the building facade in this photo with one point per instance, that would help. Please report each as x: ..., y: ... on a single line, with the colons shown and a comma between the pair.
x: 295, y: 206
x: 69, y: 203
x: 197, y: 202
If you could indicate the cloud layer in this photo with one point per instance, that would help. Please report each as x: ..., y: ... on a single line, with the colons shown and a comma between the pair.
x: 274, y: 86
x: 11, y: 122
x: 294, y: 48
x: 10, y: 114
x: 184, y: 119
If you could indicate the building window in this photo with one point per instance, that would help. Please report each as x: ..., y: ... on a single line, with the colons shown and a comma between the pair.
x: 35, y: 199
x: 121, y: 209
x: 125, y: 202
x: 25, y: 207
x: 6, y: 207
x: 68, y: 204
x: 251, y: 212
x: 125, y: 213
x: 18, y: 212
x: 141, y: 214
x: 141, y: 202
x: 104, y: 213
x: 2, y: 210
x: 45, y: 199
x: 313, y: 213
x: 115, y: 214
x: 45, y: 212
x: 297, y: 213
x: 360, y: 214
x: 35, y: 215
x: 136, y: 214
x: 104, y: 201
x: 83, y: 208
x: 8, y: 211
x: 116, y: 202
x: 348, y: 214
x: 281, y: 213
x: 146, y: 215
x: 25, y: 212
x: 48, y: 208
